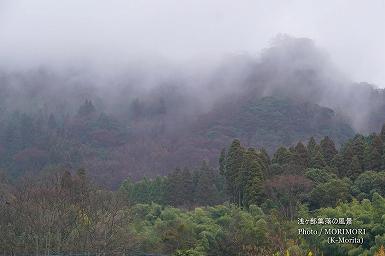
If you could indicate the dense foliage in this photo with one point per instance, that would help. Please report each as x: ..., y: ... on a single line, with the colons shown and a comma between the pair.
x: 144, y: 142
x: 249, y: 206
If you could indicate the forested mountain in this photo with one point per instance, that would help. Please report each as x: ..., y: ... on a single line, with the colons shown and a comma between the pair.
x: 150, y: 119
x: 253, y: 204
x: 271, y: 122
x: 185, y: 162
x: 192, y: 128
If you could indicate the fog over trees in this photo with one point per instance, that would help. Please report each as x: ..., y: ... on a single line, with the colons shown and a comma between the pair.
x: 191, y: 128
x: 162, y: 117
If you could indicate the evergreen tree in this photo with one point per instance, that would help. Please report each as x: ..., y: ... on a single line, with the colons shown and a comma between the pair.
x: 159, y: 190
x: 317, y: 161
x: 347, y: 157
x: 252, y: 186
x: 264, y: 156
x: 376, y: 162
x: 330, y: 193
x: 222, y: 162
x: 311, y: 146
x: 233, y: 171
x: 206, y: 191
x: 301, y: 155
x: 375, y: 154
x: 180, y: 188
x: 347, y: 152
x: 282, y: 156
x: 358, y: 147
x: 264, y: 161
x: 355, y: 168
x: 377, y: 143
x: 174, y: 187
x: 187, y: 188
x: 339, y: 164
x: 328, y: 149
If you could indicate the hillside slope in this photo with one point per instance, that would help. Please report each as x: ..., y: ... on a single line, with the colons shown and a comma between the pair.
x: 111, y: 151
x: 271, y: 122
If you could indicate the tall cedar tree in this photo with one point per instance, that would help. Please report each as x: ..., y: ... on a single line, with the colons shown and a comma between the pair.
x: 375, y: 154
x: 264, y: 160
x: 317, y: 160
x: 339, y: 165
x: 233, y: 170
x: 311, y: 146
x: 301, y: 155
x: 347, y: 156
x: 359, y: 146
x: 355, y: 168
x: 282, y: 156
x: 187, y: 189
x: 175, y: 197
x: 206, y: 192
x: 328, y: 149
x: 253, y: 178
x: 222, y: 162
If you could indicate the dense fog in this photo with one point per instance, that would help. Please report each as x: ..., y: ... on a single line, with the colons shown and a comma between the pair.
x: 290, y: 67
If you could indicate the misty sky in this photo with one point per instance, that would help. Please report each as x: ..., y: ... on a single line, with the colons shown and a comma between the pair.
x: 34, y: 32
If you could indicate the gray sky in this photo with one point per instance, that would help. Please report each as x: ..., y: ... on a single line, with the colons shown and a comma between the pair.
x: 34, y: 32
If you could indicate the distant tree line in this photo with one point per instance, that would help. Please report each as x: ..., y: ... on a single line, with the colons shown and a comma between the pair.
x: 180, y: 188
x: 316, y: 174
